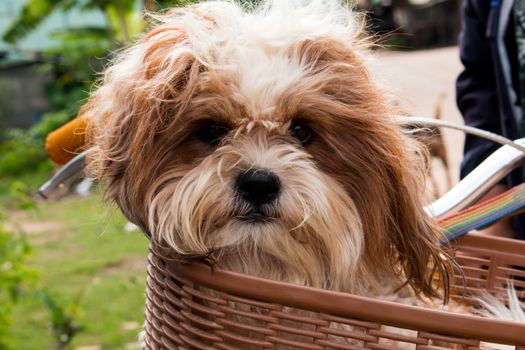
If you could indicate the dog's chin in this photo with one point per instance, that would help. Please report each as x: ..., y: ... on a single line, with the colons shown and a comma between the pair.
x: 255, y: 218
x: 257, y: 214
x: 251, y: 227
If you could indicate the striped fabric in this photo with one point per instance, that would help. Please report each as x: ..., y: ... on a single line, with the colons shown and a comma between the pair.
x: 483, y: 214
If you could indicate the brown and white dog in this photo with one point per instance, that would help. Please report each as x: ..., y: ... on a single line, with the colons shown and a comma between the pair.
x: 263, y: 140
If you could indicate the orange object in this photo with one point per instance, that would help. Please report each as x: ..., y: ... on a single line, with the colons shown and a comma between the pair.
x: 66, y: 142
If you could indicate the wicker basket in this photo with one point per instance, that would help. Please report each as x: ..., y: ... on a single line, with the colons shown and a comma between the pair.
x: 195, y: 307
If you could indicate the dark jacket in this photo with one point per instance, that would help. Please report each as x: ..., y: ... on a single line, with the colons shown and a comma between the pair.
x: 487, y: 89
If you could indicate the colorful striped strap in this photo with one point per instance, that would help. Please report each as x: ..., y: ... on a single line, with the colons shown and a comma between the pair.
x: 483, y: 214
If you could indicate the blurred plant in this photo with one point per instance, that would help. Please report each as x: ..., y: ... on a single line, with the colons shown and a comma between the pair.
x: 74, y: 61
x: 122, y: 18
x: 20, y: 194
x: 80, y: 51
x: 20, y: 152
x: 14, y: 276
x: 64, y: 326
x: 23, y: 150
x: 156, y: 5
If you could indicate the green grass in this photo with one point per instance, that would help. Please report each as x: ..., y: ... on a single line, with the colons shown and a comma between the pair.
x: 30, y: 180
x: 84, y: 253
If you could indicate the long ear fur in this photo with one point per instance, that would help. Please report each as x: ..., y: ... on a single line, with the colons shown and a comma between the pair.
x: 416, y: 239
x: 382, y: 169
x: 399, y: 234
x: 146, y: 89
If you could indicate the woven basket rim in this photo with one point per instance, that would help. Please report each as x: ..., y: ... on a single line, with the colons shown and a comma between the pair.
x: 364, y: 308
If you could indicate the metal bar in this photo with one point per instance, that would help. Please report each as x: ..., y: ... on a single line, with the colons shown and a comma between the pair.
x: 72, y: 169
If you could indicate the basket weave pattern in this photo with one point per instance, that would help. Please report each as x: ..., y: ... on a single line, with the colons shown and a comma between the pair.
x: 194, y: 307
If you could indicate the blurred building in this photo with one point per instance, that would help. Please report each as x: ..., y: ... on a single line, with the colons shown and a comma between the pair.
x: 415, y: 24
x: 22, y: 99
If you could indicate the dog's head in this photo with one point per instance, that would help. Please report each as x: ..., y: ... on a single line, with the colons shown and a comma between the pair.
x: 263, y: 140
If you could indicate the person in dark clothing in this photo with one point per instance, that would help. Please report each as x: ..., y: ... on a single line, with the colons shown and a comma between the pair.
x: 489, y: 89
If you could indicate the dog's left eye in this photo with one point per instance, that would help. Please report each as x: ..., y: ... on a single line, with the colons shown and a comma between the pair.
x: 301, y: 132
x: 212, y: 133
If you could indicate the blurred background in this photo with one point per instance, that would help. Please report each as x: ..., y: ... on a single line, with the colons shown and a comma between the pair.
x: 72, y: 270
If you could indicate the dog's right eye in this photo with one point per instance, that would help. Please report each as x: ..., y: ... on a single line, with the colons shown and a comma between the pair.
x: 302, y: 132
x: 212, y: 132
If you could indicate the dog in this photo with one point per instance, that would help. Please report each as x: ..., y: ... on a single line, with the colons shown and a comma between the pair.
x: 263, y: 141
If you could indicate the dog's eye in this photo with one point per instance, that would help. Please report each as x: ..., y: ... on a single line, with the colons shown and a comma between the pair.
x: 301, y: 132
x: 212, y: 132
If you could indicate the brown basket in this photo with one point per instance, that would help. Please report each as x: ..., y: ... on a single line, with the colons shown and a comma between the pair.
x: 195, y: 307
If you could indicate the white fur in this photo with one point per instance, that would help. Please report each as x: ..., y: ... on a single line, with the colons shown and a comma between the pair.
x: 495, y: 308
x: 254, y: 48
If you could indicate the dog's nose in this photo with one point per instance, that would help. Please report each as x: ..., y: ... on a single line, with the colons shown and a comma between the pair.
x: 258, y: 186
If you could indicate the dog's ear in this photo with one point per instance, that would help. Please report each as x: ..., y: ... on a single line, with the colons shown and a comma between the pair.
x: 383, y: 172
x: 410, y: 239
x: 141, y: 99
x: 382, y: 169
x: 415, y: 239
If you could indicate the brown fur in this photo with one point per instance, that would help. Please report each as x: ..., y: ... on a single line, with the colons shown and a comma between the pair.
x: 350, y: 217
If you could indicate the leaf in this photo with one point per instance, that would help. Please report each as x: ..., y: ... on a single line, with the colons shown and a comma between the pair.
x: 20, y: 193
x: 63, y: 317
x: 32, y: 14
x: 15, y: 276
x: 124, y: 18
x: 174, y: 3
x: 95, y: 32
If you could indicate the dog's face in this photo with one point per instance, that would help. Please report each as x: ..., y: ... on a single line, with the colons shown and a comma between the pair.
x: 262, y: 140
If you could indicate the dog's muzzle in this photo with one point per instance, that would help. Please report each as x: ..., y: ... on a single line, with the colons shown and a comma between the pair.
x: 258, y: 186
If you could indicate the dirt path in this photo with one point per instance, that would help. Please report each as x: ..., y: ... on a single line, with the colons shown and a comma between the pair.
x: 21, y: 221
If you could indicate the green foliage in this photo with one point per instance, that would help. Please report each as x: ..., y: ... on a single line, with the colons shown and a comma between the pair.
x: 23, y: 150
x: 64, y: 326
x: 123, y: 20
x: 50, y: 122
x: 20, y: 194
x: 73, y: 62
x: 174, y: 3
x: 32, y: 14
x: 15, y: 275
x: 80, y: 53
x: 86, y: 259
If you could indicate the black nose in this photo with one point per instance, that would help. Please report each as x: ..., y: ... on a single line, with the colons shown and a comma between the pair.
x: 258, y: 186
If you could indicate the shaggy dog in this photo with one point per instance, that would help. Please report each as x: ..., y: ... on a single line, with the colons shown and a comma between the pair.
x: 263, y: 141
